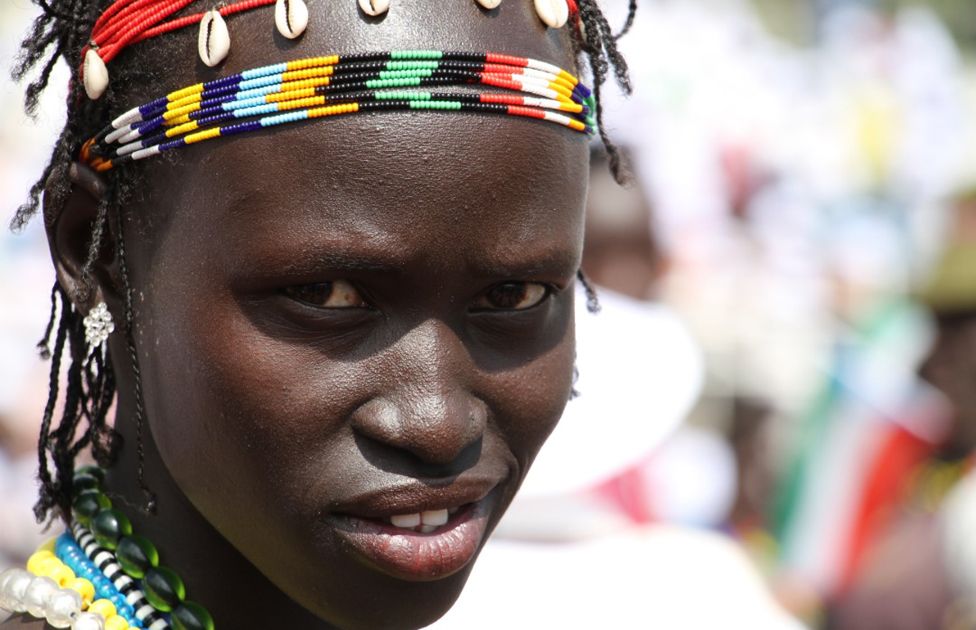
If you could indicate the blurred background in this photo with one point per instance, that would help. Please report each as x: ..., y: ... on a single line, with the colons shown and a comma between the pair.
x: 778, y: 397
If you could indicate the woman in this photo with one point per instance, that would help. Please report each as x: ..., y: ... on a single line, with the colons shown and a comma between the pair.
x: 337, y: 345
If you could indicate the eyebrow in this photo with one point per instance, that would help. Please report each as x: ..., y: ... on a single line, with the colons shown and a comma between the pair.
x: 552, y: 262
x: 313, y: 260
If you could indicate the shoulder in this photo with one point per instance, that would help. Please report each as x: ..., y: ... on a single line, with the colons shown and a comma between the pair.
x: 24, y: 622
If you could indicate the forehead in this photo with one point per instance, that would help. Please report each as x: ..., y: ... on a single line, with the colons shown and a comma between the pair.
x: 452, y: 185
x: 449, y: 173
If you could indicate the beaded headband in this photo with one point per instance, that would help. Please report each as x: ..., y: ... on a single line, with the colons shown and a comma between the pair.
x: 127, y: 22
x: 335, y: 85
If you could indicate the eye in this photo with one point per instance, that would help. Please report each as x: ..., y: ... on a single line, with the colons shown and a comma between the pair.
x: 333, y: 294
x: 513, y: 296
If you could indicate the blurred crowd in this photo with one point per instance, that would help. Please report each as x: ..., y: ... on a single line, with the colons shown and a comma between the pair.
x: 779, y: 390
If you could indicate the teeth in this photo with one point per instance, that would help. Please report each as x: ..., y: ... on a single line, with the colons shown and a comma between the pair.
x: 424, y: 522
x: 434, y: 517
x: 408, y: 521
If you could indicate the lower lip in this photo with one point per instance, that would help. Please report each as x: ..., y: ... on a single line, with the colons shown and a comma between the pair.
x: 414, y: 556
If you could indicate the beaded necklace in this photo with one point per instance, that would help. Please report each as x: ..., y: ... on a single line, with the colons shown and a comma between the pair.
x: 336, y: 85
x: 99, y: 575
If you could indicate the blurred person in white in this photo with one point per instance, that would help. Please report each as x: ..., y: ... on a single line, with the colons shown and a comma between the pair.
x: 916, y: 573
x: 621, y: 538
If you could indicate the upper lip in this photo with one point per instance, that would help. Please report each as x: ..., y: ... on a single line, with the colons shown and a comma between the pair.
x: 411, y: 496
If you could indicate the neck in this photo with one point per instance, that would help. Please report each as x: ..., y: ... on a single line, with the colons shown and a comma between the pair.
x: 217, y: 576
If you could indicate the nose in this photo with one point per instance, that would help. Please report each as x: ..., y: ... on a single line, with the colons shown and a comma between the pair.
x: 429, y: 419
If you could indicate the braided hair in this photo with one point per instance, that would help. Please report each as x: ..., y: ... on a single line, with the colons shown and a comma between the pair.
x: 61, y: 31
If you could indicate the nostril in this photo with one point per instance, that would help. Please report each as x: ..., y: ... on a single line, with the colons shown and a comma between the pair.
x: 431, y: 435
x: 464, y: 460
x: 406, y: 462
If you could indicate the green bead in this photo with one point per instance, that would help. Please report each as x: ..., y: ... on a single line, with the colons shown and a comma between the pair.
x: 109, y: 526
x: 94, y: 471
x: 163, y: 588
x: 136, y: 555
x: 191, y: 616
x: 88, y: 504
x: 84, y: 481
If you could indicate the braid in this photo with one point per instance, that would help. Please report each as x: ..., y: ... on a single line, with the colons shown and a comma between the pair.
x: 594, y: 37
x: 94, y: 246
x: 63, y: 25
x: 592, y: 300
x: 43, y: 345
x: 74, y: 402
x: 48, y: 490
x: 631, y: 14
x: 149, y: 495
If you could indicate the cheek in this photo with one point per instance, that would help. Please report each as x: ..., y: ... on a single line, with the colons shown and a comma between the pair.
x: 531, y: 399
x: 239, y: 409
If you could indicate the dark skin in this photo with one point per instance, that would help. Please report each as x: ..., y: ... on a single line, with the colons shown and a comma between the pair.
x: 432, y: 370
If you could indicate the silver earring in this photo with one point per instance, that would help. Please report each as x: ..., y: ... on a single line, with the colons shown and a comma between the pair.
x: 98, y: 326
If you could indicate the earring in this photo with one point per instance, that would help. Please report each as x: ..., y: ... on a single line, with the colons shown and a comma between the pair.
x: 98, y: 326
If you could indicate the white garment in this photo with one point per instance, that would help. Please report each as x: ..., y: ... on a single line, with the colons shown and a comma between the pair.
x: 657, y: 577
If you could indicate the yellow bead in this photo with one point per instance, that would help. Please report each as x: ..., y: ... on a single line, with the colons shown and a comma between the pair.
x: 50, y: 566
x: 84, y: 588
x: 36, y: 558
x: 62, y: 575
x: 116, y: 623
x: 103, y: 607
x: 48, y: 546
x: 47, y: 566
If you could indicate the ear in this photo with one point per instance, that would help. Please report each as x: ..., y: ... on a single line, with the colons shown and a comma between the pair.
x: 69, y: 234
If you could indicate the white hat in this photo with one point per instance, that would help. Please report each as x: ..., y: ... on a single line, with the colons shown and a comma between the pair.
x: 640, y: 372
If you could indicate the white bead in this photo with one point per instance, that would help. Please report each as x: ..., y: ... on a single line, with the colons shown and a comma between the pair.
x: 39, y: 591
x: 8, y: 601
x: 96, y: 75
x: 88, y: 621
x: 554, y: 13
x: 63, y: 607
x: 6, y: 575
x: 15, y: 590
x: 213, y: 43
x: 291, y: 17
x: 374, y: 7
x: 489, y: 4
x: 4, y: 578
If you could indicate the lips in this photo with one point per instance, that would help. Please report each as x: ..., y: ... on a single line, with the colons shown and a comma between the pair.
x: 416, y: 532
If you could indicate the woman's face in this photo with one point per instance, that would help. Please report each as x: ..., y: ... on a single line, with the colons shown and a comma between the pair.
x: 353, y: 322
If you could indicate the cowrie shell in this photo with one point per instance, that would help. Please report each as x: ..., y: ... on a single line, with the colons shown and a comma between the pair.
x: 291, y: 17
x: 96, y: 75
x: 374, y: 7
x: 489, y: 4
x: 554, y: 13
x: 213, y: 43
